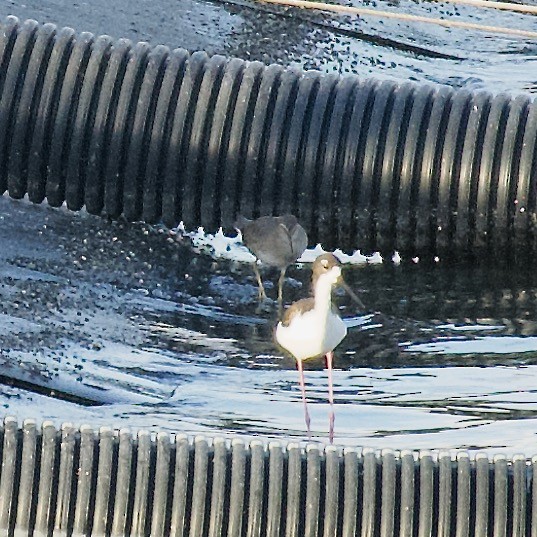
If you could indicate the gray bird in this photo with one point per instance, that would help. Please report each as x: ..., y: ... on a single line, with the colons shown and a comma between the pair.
x: 276, y: 241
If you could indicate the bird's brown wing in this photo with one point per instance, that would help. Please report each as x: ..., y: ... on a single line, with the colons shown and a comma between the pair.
x: 257, y: 233
x: 287, y: 233
x: 298, y: 239
x: 288, y: 220
x: 297, y: 308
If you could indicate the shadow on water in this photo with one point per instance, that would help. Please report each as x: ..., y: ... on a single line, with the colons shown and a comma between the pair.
x: 126, y: 324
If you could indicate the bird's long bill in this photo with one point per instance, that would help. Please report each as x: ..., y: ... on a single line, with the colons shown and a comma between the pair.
x: 351, y: 293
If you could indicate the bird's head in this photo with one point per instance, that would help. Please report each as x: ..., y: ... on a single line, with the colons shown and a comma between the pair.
x: 327, y: 267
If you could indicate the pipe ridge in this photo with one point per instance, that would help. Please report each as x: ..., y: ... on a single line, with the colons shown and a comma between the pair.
x: 285, y: 90
x: 375, y: 144
x: 26, y: 113
x: 526, y: 183
x: 321, y: 195
x: 465, y: 225
x: 165, y: 109
x: 342, y: 193
x: 511, y: 157
x: 46, y: 113
x: 293, y: 154
x: 218, y: 143
x: 391, y: 168
x: 71, y: 84
x: 498, y: 140
x: 11, y: 94
x: 237, y: 197
x: 101, y: 140
x: 430, y: 169
x: 116, y: 167
x: 281, y: 149
x: 295, y: 159
x: 411, y: 156
x: 10, y: 29
x: 83, y: 120
x: 199, y: 130
x: 336, y: 140
x: 449, y: 170
x: 179, y: 139
x: 264, y: 83
x: 148, y: 84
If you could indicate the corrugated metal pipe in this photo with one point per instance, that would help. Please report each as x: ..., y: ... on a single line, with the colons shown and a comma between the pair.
x: 160, y: 135
x: 83, y: 482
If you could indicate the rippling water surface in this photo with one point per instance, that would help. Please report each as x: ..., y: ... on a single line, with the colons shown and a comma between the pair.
x: 131, y: 325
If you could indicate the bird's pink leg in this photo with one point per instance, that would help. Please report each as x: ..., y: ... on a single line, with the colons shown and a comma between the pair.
x: 332, y: 418
x: 303, y: 388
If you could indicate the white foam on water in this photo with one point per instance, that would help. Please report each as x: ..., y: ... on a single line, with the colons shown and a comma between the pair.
x: 479, y: 345
x: 222, y: 247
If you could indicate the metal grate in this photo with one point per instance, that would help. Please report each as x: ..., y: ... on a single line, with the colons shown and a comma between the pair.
x: 73, y: 481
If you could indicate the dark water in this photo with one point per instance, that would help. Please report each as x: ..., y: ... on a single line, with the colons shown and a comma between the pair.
x: 127, y: 325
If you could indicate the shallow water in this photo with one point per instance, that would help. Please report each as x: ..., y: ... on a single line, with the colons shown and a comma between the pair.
x: 131, y: 325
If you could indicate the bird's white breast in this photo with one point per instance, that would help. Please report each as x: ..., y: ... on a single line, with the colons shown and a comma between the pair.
x: 312, y: 333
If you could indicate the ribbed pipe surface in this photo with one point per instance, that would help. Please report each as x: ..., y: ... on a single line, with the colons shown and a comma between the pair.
x: 155, y: 134
x: 83, y: 482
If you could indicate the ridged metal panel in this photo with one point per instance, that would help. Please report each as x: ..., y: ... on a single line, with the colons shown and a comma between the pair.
x: 69, y: 481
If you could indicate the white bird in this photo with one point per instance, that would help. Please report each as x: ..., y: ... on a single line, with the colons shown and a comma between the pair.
x: 311, y: 327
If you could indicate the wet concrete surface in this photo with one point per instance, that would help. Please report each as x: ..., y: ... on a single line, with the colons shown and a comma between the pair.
x: 364, y: 46
x: 130, y: 325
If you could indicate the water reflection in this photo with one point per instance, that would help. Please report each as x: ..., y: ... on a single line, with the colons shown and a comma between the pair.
x: 126, y: 325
